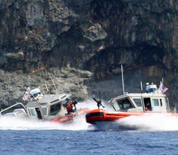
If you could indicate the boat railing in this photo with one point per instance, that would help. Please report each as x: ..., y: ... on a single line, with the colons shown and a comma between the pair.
x: 12, y: 107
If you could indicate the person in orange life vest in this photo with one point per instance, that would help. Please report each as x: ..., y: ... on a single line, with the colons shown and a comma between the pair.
x: 70, y: 105
x: 148, y: 106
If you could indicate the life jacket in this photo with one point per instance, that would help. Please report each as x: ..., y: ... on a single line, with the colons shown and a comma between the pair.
x: 69, y: 107
x: 146, y: 108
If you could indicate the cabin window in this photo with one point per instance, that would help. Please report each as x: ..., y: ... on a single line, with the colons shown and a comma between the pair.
x: 138, y: 102
x: 155, y: 102
x: 55, y: 109
x: 44, y: 110
x: 124, y: 104
x: 161, y: 102
x: 32, y: 112
x: 116, y: 106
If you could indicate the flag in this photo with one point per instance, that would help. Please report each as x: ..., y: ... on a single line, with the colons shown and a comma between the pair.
x: 164, y: 89
x: 26, y: 96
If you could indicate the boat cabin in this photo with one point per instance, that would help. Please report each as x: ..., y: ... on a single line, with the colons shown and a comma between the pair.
x: 153, y: 100
x: 39, y: 106
x: 47, y: 108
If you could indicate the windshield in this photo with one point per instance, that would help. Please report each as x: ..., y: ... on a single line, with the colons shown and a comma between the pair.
x: 116, y: 106
x: 55, y: 109
x: 138, y: 102
x: 122, y: 105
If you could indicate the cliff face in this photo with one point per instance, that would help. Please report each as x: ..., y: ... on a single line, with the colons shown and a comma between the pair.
x: 140, y: 33
x: 97, y: 35
x: 39, y: 34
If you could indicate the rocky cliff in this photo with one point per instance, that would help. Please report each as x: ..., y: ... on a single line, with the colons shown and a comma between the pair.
x: 93, y: 35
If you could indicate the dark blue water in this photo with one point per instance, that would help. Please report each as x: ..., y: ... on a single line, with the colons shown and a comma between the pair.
x: 57, y: 142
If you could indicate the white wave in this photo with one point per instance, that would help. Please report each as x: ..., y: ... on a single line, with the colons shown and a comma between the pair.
x: 153, y: 122
x: 9, y: 123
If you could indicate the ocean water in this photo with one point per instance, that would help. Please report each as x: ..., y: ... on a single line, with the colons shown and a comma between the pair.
x: 155, y: 135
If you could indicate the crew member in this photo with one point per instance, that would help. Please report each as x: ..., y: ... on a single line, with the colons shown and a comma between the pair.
x: 98, y: 102
x: 70, y: 105
x: 146, y: 108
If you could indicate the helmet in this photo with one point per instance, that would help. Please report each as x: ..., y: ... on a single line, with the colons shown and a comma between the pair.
x: 65, y: 101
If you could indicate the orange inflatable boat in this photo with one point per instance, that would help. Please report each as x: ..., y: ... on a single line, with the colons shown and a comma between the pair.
x: 99, y: 115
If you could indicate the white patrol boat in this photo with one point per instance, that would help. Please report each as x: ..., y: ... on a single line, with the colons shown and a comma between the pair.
x: 133, y: 104
x: 49, y: 107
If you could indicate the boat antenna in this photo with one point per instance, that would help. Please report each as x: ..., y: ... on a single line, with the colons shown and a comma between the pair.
x: 54, y: 84
x: 122, y: 79
x: 162, y: 80
x: 46, y: 88
x: 141, y: 86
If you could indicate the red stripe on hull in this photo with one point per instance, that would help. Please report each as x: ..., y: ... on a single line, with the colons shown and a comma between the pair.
x: 69, y: 118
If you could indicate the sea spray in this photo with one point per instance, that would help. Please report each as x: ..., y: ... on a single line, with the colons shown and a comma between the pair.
x: 150, y: 122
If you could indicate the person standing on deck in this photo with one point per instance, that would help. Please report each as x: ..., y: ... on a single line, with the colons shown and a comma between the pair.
x: 70, y: 105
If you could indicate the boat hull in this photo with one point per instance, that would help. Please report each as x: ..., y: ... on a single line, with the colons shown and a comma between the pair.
x: 100, y: 115
x: 69, y: 118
